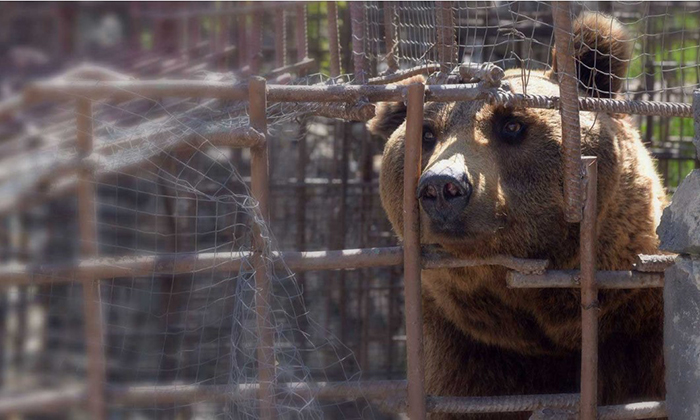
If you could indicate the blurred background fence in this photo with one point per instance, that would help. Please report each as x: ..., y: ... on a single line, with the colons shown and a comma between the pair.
x: 323, y: 173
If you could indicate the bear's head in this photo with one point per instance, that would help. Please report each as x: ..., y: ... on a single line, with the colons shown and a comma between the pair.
x: 491, y: 178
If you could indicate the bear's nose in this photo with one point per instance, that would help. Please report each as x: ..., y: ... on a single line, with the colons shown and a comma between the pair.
x: 444, y: 192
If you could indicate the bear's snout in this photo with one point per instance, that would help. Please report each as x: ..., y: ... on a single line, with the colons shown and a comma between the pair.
x: 444, y: 191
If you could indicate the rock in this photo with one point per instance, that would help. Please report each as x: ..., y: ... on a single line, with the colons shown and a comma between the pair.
x: 682, y: 338
x: 679, y: 230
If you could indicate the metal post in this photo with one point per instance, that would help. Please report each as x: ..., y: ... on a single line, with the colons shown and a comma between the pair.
x: 280, y: 38
x: 412, y: 264
x: 88, y: 248
x: 447, y: 44
x: 390, y: 36
x: 260, y: 189
x: 589, y: 295
x: 242, y: 40
x: 255, y: 42
x: 301, y: 29
x: 357, y: 16
x: 333, y: 41
x: 570, y: 124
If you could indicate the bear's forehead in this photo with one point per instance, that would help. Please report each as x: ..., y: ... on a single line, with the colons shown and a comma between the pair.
x: 445, y: 116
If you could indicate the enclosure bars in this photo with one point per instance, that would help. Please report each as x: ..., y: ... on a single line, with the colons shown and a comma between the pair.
x: 96, y: 375
x: 150, y: 264
x: 576, y: 209
x: 412, y: 266
x: 260, y: 188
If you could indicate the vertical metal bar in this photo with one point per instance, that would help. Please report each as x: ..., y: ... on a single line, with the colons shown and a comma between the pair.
x: 333, y: 40
x: 255, y: 43
x: 260, y: 188
x: 280, y: 38
x: 390, y: 36
x: 96, y: 375
x: 224, y: 24
x: 446, y: 40
x: 589, y: 295
x: 242, y: 40
x: 301, y: 29
x: 357, y: 16
x: 570, y: 124
x: 412, y: 267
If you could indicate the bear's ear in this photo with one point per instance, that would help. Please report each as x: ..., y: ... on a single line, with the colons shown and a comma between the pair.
x: 603, y: 50
x: 388, y: 116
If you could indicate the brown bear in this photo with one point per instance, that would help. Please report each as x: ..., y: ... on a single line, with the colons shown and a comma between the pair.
x: 491, y: 183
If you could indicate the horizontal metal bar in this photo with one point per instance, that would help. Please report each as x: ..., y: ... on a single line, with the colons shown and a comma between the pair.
x: 572, y: 279
x: 304, y: 64
x: 62, y: 89
x: 654, y: 263
x: 390, y: 395
x: 45, y: 401
x: 633, y: 411
x: 146, y: 266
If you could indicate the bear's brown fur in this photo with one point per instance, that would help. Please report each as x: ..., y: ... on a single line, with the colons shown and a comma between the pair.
x: 482, y: 338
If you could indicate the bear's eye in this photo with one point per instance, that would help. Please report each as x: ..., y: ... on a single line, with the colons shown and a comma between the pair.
x: 512, y: 130
x: 429, y: 137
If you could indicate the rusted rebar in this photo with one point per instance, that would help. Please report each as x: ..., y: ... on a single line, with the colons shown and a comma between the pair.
x: 301, y: 29
x: 446, y: 41
x: 400, y: 75
x: 222, y: 262
x: 411, y: 261
x: 510, y: 404
x: 280, y: 38
x: 589, y: 293
x: 570, y: 123
x: 96, y: 375
x: 333, y: 40
x: 359, y: 58
x: 146, y: 89
x: 390, y: 394
x: 562, y: 279
x: 259, y: 167
x: 390, y: 36
x: 654, y: 263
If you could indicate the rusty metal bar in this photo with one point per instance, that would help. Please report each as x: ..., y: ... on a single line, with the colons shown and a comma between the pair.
x: 242, y: 40
x: 180, y: 263
x: 400, y: 75
x: 359, y: 59
x: 589, y: 293
x: 654, y: 263
x: 255, y: 43
x: 390, y: 36
x: 570, y: 123
x: 298, y: 67
x: 333, y: 41
x: 123, y: 90
x: 260, y: 188
x: 42, y: 402
x: 280, y: 38
x: 411, y: 261
x: 301, y: 29
x: 562, y: 279
x: 446, y: 41
x: 390, y: 394
x: 88, y: 249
